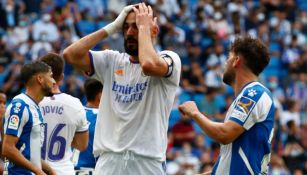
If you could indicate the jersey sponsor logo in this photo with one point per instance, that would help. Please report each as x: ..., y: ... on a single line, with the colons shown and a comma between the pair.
x: 243, y: 108
x: 128, y: 93
x: 14, y: 122
x: 119, y: 72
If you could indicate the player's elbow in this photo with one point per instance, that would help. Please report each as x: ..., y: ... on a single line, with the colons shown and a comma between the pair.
x: 68, y: 55
x: 147, y: 67
x: 223, y: 138
x: 224, y: 141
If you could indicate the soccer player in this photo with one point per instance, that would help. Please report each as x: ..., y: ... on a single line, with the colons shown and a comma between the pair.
x: 247, y: 131
x: 23, y: 125
x: 139, y: 90
x: 66, y: 125
x: 85, y: 160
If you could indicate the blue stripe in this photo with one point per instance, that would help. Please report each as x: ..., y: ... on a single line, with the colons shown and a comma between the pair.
x: 15, y: 110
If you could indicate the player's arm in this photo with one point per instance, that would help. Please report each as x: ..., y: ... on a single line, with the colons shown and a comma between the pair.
x: 152, y: 64
x: 223, y: 133
x: 47, y: 169
x: 80, y: 140
x: 77, y: 53
x: 10, y: 151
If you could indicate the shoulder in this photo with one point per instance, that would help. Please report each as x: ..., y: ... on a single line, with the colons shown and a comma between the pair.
x: 255, y: 91
x: 71, y: 99
x: 169, y: 53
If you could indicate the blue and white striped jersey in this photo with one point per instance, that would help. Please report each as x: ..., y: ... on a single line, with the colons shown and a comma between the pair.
x: 249, y: 154
x: 86, y: 158
x: 23, y: 119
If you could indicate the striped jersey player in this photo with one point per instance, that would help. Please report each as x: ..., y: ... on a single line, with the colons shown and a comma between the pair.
x: 253, y: 109
x: 24, y: 120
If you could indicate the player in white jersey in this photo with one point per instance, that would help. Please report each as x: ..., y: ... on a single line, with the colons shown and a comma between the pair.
x: 23, y: 125
x: 85, y: 161
x: 139, y: 91
x: 65, y: 122
x: 247, y: 131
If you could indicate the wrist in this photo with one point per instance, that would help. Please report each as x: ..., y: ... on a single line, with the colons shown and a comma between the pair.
x: 110, y: 29
x: 144, y: 27
x: 197, y: 115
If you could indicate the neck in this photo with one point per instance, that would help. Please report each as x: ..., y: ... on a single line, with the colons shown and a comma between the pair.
x: 134, y: 58
x: 56, y: 89
x: 241, y: 81
x: 92, y: 104
x: 37, y: 97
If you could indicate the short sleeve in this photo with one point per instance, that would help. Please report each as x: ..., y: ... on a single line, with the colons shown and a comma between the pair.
x: 83, y: 124
x: 174, y: 71
x: 80, y: 116
x: 16, y: 116
x: 100, y: 62
x: 252, y: 107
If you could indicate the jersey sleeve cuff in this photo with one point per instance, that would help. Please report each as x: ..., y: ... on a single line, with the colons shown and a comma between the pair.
x: 92, y: 68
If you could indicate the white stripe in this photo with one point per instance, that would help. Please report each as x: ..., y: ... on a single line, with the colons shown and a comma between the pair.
x: 243, y: 156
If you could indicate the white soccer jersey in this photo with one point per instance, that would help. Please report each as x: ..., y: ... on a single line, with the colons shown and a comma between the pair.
x: 64, y: 115
x: 249, y: 154
x: 134, y: 109
x: 23, y: 119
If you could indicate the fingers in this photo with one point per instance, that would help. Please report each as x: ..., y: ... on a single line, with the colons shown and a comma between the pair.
x: 136, y: 11
x: 128, y: 8
x: 155, y: 20
x: 142, y: 8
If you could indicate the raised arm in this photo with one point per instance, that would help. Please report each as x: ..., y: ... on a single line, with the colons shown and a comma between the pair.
x: 152, y: 64
x: 77, y: 53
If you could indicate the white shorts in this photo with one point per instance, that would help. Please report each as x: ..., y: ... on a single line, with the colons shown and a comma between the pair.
x: 128, y: 163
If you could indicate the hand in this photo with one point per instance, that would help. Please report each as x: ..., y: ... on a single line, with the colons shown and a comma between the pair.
x: 188, y: 108
x: 117, y: 24
x: 144, y: 16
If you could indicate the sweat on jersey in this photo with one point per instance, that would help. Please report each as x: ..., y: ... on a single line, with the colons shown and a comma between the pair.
x: 24, y: 120
x: 64, y: 115
x: 250, y: 153
x: 134, y: 109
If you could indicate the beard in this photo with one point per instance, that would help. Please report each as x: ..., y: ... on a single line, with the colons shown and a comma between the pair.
x: 229, y: 77
x: 47, y: 91
x: 133, y: 49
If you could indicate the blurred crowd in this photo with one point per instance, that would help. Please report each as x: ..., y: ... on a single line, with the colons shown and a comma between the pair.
x: 200, y: 31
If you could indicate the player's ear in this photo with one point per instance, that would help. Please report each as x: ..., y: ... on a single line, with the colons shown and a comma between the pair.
x: 39, y: 78
x: 237, y: 62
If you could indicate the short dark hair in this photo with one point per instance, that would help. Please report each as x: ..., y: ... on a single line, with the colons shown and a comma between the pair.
x: 32, y: 68
x: 56, y: 62
x: 255, y: 53
x: 92, y: 87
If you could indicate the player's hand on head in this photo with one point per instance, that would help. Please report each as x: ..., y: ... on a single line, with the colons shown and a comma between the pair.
x: 117, y: 24
x: 188, y: 108
x: 144, y: 16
